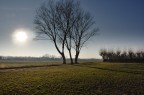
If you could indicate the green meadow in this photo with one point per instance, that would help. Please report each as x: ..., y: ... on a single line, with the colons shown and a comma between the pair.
x: 87, y: 78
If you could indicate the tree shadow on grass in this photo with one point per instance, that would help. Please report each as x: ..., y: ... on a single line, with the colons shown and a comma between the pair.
x: 114, y: 70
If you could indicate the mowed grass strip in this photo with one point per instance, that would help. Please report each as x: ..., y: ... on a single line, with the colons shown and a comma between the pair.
x: 85, y: 79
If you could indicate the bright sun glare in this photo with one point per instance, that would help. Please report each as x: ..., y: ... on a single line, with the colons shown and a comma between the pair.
x: 21, y: 36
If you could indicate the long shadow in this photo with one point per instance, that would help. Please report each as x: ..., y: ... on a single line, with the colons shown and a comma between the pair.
x: 107, y: 69
x: 25, y: 67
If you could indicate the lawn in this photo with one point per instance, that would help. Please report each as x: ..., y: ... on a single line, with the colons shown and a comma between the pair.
x: 89, y: 78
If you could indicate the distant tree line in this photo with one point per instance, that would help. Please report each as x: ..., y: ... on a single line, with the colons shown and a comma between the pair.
x: 45, y: 57
x: 122, y: 56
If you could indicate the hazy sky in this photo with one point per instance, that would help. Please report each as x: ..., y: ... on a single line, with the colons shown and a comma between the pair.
x: 121, y: 24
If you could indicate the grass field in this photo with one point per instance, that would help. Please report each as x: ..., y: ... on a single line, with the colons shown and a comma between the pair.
x: 83, y: 79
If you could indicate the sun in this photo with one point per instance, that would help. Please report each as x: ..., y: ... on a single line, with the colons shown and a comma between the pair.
x: 21, y: 36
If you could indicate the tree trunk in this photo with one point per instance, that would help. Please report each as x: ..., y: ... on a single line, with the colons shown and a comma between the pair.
x: 70, y: 56
x: 63, y: 57
x: 61, y: 53
x: 76, y: 57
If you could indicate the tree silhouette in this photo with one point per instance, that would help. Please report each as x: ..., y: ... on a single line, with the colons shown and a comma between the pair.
x: 48, y: 21
x: 66, y: 25
x: 84, y: 29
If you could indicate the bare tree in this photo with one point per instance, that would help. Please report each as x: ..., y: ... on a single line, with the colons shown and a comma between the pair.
x: 83, y: 30
x: 77, y: 25
x: 48, y: 22
x: 67, y: 22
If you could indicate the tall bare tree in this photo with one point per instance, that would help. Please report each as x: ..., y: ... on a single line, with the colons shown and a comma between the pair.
x: 84, y: 29
x: 48, y: 22
x: 67, y: 12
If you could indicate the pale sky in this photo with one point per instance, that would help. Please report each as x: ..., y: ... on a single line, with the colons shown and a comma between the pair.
x: 121, y: 24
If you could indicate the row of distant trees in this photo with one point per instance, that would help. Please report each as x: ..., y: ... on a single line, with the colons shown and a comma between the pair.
x: 122, y: 56
x: 45, y: 57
